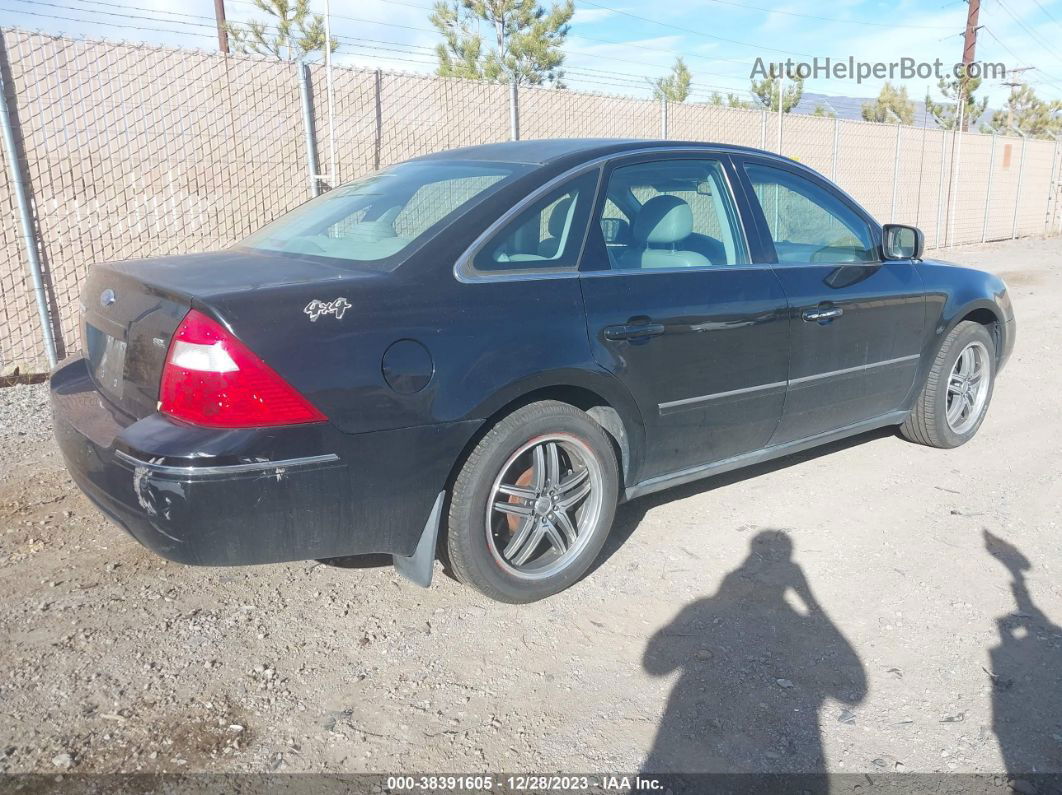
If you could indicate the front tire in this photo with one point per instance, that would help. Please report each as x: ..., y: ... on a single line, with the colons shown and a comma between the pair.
x: 533, y: 503
x: 956, y: 395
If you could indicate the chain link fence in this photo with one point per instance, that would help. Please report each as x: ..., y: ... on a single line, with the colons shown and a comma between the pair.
x: 131, y: 151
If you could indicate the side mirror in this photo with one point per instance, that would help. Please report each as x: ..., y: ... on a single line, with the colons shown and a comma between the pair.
x: 902, y: 242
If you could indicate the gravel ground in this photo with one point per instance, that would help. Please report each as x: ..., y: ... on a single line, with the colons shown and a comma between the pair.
x: 25, y: 425
x: 874, y: 606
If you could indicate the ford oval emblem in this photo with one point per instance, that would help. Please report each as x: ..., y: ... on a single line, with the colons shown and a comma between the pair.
x: 108, y: 297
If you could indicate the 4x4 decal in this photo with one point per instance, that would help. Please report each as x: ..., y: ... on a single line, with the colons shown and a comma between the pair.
x: 316, y: 308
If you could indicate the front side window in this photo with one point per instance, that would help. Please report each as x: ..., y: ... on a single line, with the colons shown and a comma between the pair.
x: 547, y: 236
x: 671, y: 214
x: 379, y: 219
x: 809, y: 223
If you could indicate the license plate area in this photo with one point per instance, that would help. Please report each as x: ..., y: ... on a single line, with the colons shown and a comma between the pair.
x: 106, y: 355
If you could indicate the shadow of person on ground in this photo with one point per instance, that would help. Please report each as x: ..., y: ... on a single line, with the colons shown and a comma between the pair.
x: 758, y: 659
x: 1026, y: 673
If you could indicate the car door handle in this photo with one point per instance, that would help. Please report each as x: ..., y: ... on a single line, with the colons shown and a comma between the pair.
x: 822, y: 314
x: 633, y: 331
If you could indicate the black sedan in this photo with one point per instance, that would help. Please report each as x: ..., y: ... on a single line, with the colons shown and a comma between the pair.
x: 485, y: 350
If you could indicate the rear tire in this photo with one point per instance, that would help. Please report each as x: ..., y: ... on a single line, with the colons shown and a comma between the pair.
x: 955, y: 398
x: 553, y: 472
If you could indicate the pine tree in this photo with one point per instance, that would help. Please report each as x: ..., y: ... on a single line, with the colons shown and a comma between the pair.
x: 292, y: 35
x: 459, y: 54
x: 892, y: 105
x: 946, y: 112
x: 730, y: 100
x: 1030, y: 114
x: 824, y: 112
x: 767, y: 90
x: 676, y: 86
x: 527, y: 41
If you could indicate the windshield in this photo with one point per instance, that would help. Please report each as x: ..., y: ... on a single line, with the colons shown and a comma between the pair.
x: 380, y: 217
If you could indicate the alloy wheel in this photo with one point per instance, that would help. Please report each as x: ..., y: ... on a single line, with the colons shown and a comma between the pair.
x: 968, y: 385
x: 544, y: 505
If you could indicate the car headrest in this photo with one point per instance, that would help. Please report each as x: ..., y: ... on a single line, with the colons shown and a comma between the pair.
x: 663, y: 219
x: 378, y: 229
x: 371, y: 231
x: 558, y: 219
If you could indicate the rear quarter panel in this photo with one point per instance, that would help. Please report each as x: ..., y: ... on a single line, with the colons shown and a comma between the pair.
x: 482, y: 338
x: 490, y: 342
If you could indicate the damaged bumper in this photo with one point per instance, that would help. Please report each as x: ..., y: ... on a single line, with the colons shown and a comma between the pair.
x: 195, y: 514
x: 229, y: 497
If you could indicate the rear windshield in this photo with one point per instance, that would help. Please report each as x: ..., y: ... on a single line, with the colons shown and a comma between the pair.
x: 380, y: 218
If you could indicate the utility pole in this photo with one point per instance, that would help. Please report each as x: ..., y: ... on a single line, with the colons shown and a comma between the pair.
x: 962, y: 121
x: 969, y: 51
x: 1015, y: 81
x: 223, y: 33
x: 969, y: 41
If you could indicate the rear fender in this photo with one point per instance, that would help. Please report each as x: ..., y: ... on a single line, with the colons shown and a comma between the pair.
x: 614, y: 407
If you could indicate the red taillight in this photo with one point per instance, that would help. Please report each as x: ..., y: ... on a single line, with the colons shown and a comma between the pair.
x: 211, y: 378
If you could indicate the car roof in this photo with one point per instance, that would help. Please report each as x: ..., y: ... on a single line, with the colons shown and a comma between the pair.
x: 547, y: 150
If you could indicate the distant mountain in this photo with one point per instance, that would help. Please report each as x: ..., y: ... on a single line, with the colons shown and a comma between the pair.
x: 852, y: 107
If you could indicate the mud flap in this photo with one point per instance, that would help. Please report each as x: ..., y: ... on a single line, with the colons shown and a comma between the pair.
x: 418, y: 567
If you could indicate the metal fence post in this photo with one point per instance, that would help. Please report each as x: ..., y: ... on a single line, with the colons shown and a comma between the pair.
x: 921, y: 172
x: 514, y: 111
x: 940, y: 184
x: 895, y: 175
x: 663, y: 118
x: 1017, y: 196
x: 781, y: 95
x: 763, y: 129
x: 1052, y: 194
x: 836, y: 146
x: 15, y: 157
x: 330, y: 99
x: 988, y: 192
x: 953, y: 184
x: 307, y: 123
x: 1058, y: 190
x: 953, y: 174
x: 378, y: 141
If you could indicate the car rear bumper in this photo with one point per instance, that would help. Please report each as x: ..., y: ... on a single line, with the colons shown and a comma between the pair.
x: 229, y: 497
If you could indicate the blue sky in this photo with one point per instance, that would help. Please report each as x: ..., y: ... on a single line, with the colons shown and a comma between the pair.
x: 617, y: 46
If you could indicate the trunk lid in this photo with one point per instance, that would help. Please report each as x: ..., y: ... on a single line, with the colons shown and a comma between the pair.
x: 131, y: 309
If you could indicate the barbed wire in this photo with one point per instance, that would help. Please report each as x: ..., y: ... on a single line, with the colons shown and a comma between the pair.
x: 208, y: 23
x: 837, y: 20
x: 1032, y: 34
x: 1048, y: 78
x: 383, y: 50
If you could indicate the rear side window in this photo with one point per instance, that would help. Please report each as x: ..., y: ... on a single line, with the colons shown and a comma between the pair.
x: 547, y: 236
x: 809, y: 223
x: 671, y: 214
x: 379, y: 219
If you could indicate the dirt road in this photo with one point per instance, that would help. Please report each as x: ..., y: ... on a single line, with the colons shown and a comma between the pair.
x: 876, y: 606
